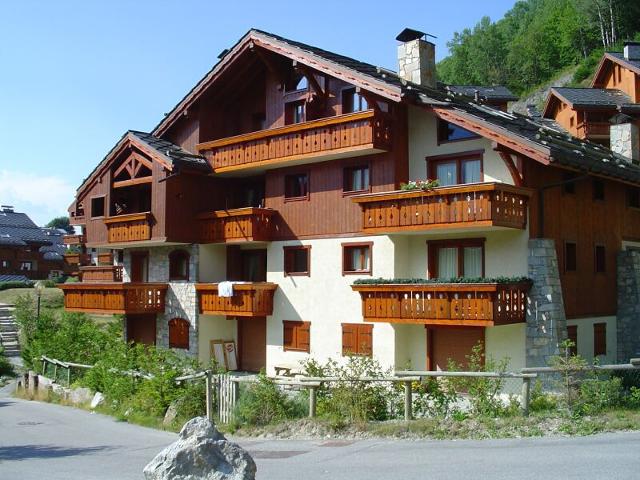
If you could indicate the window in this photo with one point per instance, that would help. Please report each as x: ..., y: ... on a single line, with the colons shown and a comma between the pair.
x: 297, y: 260
x: 296, y: 336
x: 357, y: 339
x: 356, y: 258
x: 570, y: 257
x: 296, y: 187
x: 455, y: 169
x: 356, y: 179
x: 26, y: 266
x: 572, y: 335
x: 598, y: 189
x: 572, y: 121
x: 456, y: 258
x: 294, y: 112
x: 633, y: 197
x: 569, y: 185
x: 448, y: 132
x: 600, y: 259
x: 599, y: 339
x: 352, y: 101
x: 179, y: 265
x: 97, y: 207
x: 5, y: 263
x: 178, y: 333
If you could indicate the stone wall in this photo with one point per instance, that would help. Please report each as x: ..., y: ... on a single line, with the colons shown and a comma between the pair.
x: 416, y: 62
x: 628, y: 324
x: 625, y: 140
x: 546, y: 321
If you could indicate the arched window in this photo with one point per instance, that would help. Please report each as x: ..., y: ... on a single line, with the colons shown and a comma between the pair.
x: 178, y: 265
x: 178, y: 333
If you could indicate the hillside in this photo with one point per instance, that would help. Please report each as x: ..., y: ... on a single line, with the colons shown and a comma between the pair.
x: 539, y: 40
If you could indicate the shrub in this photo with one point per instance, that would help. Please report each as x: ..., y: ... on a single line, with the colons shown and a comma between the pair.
x: 263, y: 403
x: 596, y: 395
x: 10, y: 285
x: 633, y: 399
x: 541, y: 402
x: 571, y: 369
x: 6, y: 367
x: 434, y: 397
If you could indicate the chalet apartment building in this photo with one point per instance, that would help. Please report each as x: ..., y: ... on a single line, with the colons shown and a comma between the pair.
x: 281, y: 171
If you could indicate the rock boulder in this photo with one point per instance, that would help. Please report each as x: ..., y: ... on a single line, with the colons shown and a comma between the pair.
x: 201, y: 453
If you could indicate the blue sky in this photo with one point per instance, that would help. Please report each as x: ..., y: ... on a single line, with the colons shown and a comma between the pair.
x: 75, y: 75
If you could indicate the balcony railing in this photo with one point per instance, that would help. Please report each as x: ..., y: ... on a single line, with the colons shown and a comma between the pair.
x: 594, y: 129
x: 101, y: 274
x: 461, y: 304
x: 129, y: 228
x: 367, y: 132
x: 74, y: 239
x: 105, y: 258
x: 248, y: 300
x: 77, y: 258
x: 237, y: 225
x: 474, y: 205
x: 114, y: 298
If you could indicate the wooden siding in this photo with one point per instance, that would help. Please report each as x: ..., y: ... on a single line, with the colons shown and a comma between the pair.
x: 488, y: 204
x: 588, y: 222
x: 236, y: 225
x: 114, y: 298
x: 469, y: 304
x: 248, y: 300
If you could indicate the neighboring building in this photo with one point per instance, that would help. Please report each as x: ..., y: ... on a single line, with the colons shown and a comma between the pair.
x: 588, y: 113
x: 282, y: 168
x: 497, y: 96
x: 28, y: 251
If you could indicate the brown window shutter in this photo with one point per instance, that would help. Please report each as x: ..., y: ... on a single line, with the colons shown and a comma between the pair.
x: 599, y: 339
x: 288, y: 334
x: 178, y: 333
x: 349, y: 334
x: 572, y: 334
x: 365, y: 340
x: 304, y: 337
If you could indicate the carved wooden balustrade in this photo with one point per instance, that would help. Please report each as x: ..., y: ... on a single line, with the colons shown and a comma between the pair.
x: 114, y: 298
x: 101, y: 274
x: 251, y: 299
x: 236, y: 225
x: 367, y: 132
x: 475, y: 205
x: 129, y: 228
x: 74, y: 239
x: 461, y: 304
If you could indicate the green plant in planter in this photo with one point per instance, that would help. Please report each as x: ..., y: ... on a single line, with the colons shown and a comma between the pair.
x: 416, y: 281
x: 419, y: 185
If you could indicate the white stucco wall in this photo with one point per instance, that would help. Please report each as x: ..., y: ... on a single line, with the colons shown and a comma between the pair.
x: 214, y: 327
x: 213, y: 263
x: 585, y: 337
x: 507, y: 341
x: 423, y: 142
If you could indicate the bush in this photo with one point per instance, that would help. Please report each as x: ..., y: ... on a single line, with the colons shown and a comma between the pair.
x: 6, y: 367
x: 10, y: 285
x: 263, y: 403
x: 434, y: 397
x: 350, y: 400
x: 541, y: 402
x: 596, y: 395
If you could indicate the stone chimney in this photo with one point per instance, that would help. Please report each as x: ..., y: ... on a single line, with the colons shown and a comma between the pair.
x: 632, y: 50
x: 624, y: 137
x: 416, y: 58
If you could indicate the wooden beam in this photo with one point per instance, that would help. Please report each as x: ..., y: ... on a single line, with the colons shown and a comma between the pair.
x: 133, y: 181
x: 311, y: 78
x: 505, y: 154
x: 268, y: 61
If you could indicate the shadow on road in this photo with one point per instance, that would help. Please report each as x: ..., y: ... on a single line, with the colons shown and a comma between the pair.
x: 24, y: 452
x: 6, y: 403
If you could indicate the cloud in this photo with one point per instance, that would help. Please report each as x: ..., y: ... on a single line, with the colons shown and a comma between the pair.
x: 42, y: 197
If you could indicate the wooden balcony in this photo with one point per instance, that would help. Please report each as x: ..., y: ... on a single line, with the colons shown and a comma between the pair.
x: 460, y: 304
x: 594, y: 129
x: 237, y: 225
x: 114, y: 298
x: 74, y: 239
x: 133, y: 227
x: 77, y: 258
x: 344, y: 135
x: 101, y: 274
x: 472, y: 205
x: 105, y: 258
x: 248, y: 300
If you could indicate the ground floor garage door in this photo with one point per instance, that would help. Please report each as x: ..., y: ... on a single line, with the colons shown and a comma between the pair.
x: 451, y: 343
x: 141, y: 328
x: 252, y: 343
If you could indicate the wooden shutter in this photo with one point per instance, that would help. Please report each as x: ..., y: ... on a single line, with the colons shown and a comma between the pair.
x: 357, y: 339
x: 349, y: 333
x: 296, y: 335
x: 572, y: 334
x: 288, y: 339
x: 303, y: 339
x: 178, y: 333
x: 365, y: 340
x: 599, y: 339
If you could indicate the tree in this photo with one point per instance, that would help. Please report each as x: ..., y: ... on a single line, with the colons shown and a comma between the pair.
x: 61, y: 223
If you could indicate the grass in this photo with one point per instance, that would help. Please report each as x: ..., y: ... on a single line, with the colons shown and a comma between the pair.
x: 51, y: 297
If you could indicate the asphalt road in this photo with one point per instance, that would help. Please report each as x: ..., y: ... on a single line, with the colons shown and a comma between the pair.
x: 42, y: 441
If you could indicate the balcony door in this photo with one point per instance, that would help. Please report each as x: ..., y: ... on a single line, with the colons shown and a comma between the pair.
x: 141, y: 328
x: 252, y: 343
x: 246, y: 265
x: 139, y: 267
x: 451, y: 344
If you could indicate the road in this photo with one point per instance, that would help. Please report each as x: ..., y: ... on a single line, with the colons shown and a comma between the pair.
x: 43, y: 441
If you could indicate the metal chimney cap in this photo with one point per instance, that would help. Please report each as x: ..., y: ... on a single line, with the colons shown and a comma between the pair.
x: 409, y: 34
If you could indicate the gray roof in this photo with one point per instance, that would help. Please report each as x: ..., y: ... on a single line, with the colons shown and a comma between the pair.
x: 13, y: 278
x: 57, y: 247
x: 497, y: 92
x: 620, y: 57
x: 18, y: 229
x: 176, y: 154
x: 593, y: 97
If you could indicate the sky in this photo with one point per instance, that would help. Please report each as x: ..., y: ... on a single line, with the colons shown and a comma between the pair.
x: 75, y: 75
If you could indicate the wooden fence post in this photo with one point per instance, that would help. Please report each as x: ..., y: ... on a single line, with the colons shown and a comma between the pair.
x: 209, y: 395
x: 526, y: 393
x: 407, y: 401
x: 312, y: 402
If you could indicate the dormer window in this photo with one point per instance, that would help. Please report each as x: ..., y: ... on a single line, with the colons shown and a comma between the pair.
x: 449, y: 132
x: 294, y: 112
